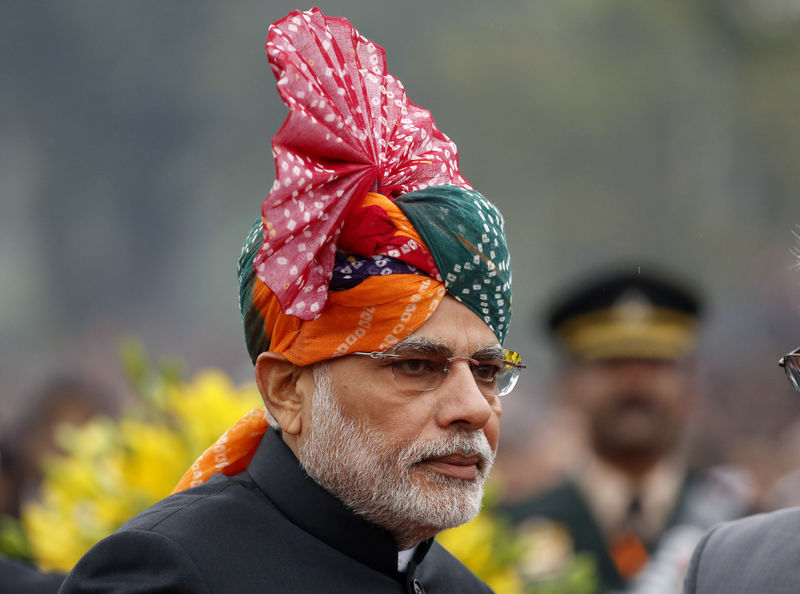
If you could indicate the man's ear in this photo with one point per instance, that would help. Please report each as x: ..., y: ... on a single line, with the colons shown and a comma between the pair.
x: 277, y: 379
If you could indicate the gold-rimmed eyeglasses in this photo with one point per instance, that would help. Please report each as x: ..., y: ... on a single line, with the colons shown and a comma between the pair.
x: 791, y: 365
x: 422, y: 371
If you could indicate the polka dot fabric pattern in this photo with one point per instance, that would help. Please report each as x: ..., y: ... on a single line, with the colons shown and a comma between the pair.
x: 350, y: 130
x: 351, y: 270
x: 464, y: 232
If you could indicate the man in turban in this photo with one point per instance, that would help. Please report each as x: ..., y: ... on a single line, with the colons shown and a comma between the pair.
x: 375, y: 293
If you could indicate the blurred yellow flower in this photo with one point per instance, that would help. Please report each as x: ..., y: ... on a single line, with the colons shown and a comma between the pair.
x: 112, y: 470
x: 489, y: 548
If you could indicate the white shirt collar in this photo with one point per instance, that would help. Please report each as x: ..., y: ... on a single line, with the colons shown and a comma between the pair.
x: 403, y: 557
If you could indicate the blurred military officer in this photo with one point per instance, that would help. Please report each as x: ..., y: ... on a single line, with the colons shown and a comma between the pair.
x: 626, y: 339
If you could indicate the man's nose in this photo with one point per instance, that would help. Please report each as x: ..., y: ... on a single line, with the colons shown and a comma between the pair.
x: 462, y: 401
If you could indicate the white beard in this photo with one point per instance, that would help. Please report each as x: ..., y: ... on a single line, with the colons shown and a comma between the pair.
x: 377, y: 477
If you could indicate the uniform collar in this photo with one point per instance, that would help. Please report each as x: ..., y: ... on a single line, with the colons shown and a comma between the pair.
x: 276, y: 471
x: 608, y: 492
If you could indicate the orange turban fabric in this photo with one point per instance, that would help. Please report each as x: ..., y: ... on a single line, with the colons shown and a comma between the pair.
x: 373, y: 314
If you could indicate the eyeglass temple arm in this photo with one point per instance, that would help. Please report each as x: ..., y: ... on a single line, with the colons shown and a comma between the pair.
x: 377, y: 355
x: 794, y: 353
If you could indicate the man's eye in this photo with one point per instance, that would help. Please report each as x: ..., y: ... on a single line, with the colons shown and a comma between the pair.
x: 486, y: 372
x: 415, y: 366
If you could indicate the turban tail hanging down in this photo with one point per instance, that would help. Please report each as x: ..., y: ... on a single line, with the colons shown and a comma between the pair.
x: 369, y: 222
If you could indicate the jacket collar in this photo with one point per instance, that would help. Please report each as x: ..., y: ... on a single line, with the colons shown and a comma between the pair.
x: 276, y: 471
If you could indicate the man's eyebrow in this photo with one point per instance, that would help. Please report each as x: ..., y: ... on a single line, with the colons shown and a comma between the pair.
x: 494, y: 351
x: 420, y: 344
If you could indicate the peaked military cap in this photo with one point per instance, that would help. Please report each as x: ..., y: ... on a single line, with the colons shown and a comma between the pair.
x: 626, y: 313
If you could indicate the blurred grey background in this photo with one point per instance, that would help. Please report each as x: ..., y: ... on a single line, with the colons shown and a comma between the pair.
x: 134, y: 155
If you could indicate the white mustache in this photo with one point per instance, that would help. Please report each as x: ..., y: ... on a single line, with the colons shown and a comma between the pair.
x: 467, y: 444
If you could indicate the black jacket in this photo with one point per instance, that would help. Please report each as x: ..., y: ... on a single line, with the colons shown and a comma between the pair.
x: 268, y: 529
x: 18, y: 578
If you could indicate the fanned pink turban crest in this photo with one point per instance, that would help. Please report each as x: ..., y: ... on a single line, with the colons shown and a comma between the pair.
x: 350, y: 130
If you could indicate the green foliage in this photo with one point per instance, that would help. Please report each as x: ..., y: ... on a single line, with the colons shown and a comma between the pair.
x: 149, y: 378
x: 14, y: 542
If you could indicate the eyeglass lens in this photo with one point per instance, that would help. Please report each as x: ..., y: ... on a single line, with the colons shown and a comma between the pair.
x: 791, y: 363
x: 423, y: 373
